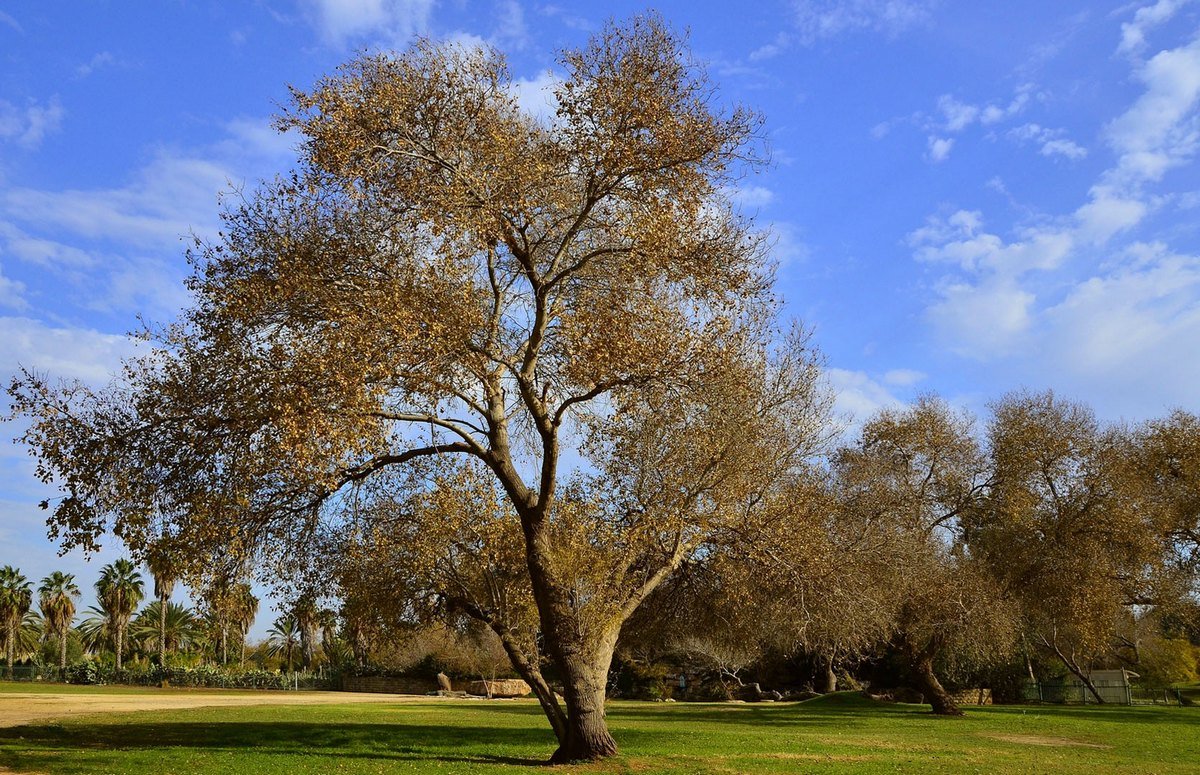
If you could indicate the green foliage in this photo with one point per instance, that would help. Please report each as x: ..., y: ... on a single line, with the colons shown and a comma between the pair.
x: 1167, y: 661
x: 202, y: 676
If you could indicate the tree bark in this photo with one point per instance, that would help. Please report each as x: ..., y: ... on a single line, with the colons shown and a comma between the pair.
x: 925, y: 679
x: 120, y: 644
x: 585, y: 676
x: 1071, y: 664
x: 162, y: 630
x: 62, y: 654
x: 10, y: 648
x: 825, y: 680
x: 929, y: 686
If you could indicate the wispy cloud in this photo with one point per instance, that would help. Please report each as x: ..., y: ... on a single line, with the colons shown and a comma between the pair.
x: 341, y: 22
x: 1077, y: 294
x: 103, y: 59
x: 822, y: 19
x: 29, y: 125
x: 1133, y: 33
x: 1051, y: 142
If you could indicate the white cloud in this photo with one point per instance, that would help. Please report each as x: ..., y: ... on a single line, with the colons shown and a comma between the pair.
x: 536, y: 95
x: 822, y: 19
x: 1161, y: 130
x: 858, y: 396
x: 959, y: 115
x: 71, y: 353
x: 1063, y: 147
x: 165, y: 201
x: 103, y: 59
x: 511, y: 32
x: 340, y: 22
x: 1132, y: 331
x: 1071, y: 298
x: 1051, y: 141
x: 1133, y: 33
x: 904, y: 377
x: 12, y: 293
x: 938, y: 148
x: 751, y: 197
x: 28, y: 126
x: 982, y: 320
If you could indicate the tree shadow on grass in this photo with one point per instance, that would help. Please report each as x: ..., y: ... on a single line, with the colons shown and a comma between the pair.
x: 50, y: 746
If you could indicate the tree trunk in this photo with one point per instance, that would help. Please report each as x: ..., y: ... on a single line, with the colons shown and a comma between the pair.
x: 10, y: 649
x: 585, y: 676
x: 925, y: 679
x: 1071, y: 664
x: 62, y: 654
x: 162, y: 630
x: 243, y: 659
x: 224, y: 646
x: 120, y: 644
x: 928, y: 684
x: 825, y: 680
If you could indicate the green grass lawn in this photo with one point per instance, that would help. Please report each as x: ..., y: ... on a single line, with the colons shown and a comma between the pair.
x: 842, y: 733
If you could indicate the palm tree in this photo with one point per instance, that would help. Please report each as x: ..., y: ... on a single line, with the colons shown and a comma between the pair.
x: 283, y: 638
x: 16, y: 596
x: 173, y: 629
x: 96, y: 630
x: 308, y: 621
x: 244, y: 609
x: 165, y: 572
x: 56, y: 598
x: 119, y: 589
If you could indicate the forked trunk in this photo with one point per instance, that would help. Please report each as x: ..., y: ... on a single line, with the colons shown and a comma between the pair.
x: 929, y: 685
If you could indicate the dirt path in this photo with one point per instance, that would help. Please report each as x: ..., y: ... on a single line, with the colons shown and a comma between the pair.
x: 22, y: 708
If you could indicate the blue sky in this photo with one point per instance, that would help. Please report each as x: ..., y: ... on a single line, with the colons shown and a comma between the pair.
x: 967, y: 197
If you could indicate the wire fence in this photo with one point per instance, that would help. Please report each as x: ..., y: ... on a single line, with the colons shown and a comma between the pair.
x: 1112, y: 692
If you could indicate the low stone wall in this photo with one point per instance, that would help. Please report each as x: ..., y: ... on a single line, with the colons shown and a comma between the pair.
x: 388, y: 685
x: 972, y: 697
x: 507, y: 687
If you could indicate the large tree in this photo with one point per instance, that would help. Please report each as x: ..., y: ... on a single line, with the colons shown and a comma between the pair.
x: 906, y: 486
x: 57, y: 598
x: 1066, y: 528
x: 446, y: 275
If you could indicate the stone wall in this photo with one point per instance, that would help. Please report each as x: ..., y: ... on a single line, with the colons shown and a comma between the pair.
x: 388, y: 685
x: 972, y: 697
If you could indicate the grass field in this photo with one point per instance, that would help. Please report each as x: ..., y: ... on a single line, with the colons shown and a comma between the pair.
x: 840, y: 733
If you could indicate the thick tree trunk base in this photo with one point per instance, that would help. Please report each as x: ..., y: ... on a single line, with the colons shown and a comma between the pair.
x: 935, y: 694
x: 597, y: 745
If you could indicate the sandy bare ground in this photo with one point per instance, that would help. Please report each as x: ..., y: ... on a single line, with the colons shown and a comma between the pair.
x: 21, y: 708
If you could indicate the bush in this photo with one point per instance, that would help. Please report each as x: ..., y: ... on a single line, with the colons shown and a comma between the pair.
x: 201, y: 677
